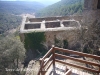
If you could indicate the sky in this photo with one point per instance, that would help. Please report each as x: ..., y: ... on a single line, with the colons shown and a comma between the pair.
x: 41, y: 1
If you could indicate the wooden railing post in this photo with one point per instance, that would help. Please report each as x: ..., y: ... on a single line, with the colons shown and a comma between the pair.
x: 42, y: 71
x: 42, y: 67
x: 99, y: 70
x: 53, y: 59
x: 40, y: 61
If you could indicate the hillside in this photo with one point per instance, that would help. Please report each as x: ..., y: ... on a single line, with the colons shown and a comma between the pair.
x: 8, y: 21
x: 62, y: 8
x: 9, y: 10
x: 19, y: 7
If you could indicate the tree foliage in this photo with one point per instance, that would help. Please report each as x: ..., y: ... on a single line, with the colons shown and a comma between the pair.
x: 8, y: 21
x: 19, y: 7
x: 10, y: 12
x: 34, y: 41
x: 62, y: 8
x: 11, y: 53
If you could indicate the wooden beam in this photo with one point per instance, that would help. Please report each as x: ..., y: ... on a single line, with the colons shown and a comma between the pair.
x: 69, y: 72
x: 41, y: 67
x: 47, y: 54
x: 78, y: 53
x: 53, y: 60
x: 76, y: 59
x: 77, y: 66
x: 49, y: 66
x: 48, y: 60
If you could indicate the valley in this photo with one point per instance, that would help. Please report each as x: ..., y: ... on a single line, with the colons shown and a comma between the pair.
x: 29, y: 29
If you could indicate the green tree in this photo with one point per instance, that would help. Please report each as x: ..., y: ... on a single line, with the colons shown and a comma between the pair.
x: 34, y: 41
x: 12, y: 52
x: 62, y: 8
x: 8, y: 22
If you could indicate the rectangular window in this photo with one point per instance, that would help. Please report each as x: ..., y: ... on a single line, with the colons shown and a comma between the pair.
x: 52, y: 24
x: 32, y: 26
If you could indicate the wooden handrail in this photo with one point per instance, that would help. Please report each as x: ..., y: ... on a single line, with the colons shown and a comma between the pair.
x: 40, y: 68
x: 78, y: 53
x: 47, y: 54
x: 77, y: 66
x: 42, y: 59
x: 76, y: 59
x: 54, y: 55
x: 49, y: 66
x: 48, y: 60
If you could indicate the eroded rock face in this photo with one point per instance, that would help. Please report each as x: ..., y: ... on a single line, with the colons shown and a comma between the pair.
x: 91, y: 11
x: 33, y: 68
x: 89, y: 16
x: 90, y: 4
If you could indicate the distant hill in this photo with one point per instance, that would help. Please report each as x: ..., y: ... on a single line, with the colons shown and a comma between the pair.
x: 9, y: 10
x: 62, y: 8
x: 8, y: 21
x: 19, y: 7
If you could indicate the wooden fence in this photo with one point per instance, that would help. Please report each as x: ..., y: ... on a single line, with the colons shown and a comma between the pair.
x: 52, y: 54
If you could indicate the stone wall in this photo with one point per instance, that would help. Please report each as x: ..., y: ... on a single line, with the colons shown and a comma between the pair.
x: 91, y: 12
x: 66, y: 31
x: 78, y: 18
x: 90, y: 4
x: 69, y: 35
x: 89, y: 16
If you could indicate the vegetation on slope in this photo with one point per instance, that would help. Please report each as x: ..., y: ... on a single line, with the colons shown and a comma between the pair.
x: 62, y: 8
x: 8, y: 10
x: 8, y: 21
x: 12, y: 53
x: 19, y: 7
x: 36, y: 44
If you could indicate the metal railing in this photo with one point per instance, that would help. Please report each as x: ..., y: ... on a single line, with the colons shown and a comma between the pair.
x: 52, y: 55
